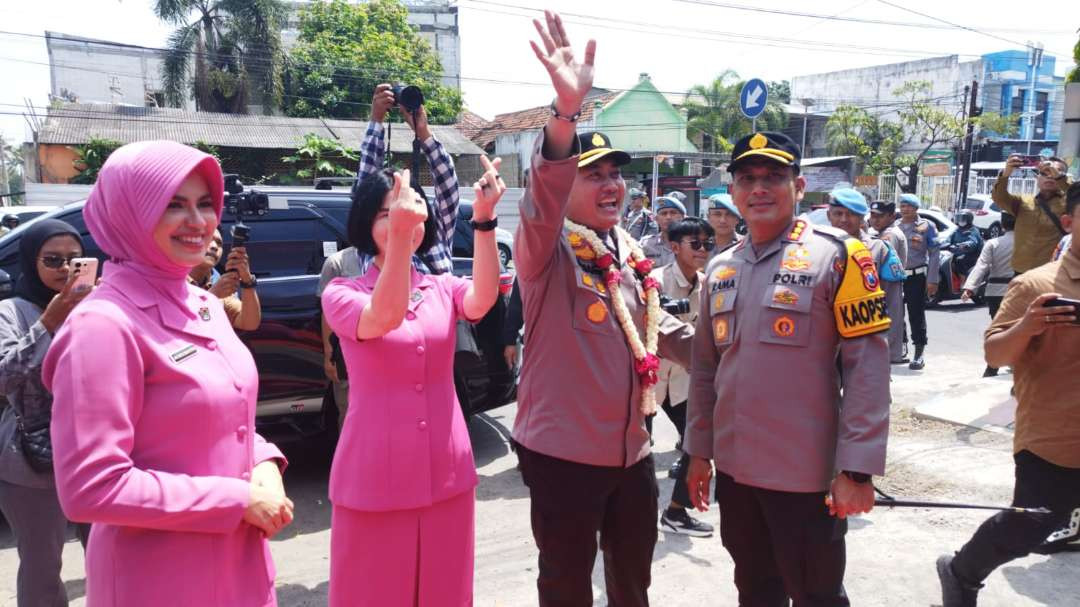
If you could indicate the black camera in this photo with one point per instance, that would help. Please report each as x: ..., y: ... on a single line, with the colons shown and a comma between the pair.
x: 240, y: 233
x: 675, y: 307
x: 408, y: 96
x: 239, y: 202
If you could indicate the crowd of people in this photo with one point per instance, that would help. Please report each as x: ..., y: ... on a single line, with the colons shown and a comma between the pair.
x: 152, y: 449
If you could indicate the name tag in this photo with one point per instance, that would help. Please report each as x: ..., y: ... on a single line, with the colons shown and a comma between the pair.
x: 183, y: 354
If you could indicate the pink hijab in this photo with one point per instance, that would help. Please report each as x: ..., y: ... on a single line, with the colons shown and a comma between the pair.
x: 133, y: 188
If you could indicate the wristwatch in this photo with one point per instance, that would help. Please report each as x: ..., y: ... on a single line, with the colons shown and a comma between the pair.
x: 485, y: 226
x: 858, y: 477
x: 558, y: 116
x: 249, y: 285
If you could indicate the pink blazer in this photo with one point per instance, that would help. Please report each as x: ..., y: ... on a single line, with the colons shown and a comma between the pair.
x: 154, y: 444
x: 405, y: 443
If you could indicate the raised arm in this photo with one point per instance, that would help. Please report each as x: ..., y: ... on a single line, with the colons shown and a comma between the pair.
x: 485, y: 283
x: 571, y: 80
x: 443, y: 176
x: 1010, y: 203
x: 373, y: 147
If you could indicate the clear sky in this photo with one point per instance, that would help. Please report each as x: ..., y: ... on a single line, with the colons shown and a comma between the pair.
x: 678, y: 42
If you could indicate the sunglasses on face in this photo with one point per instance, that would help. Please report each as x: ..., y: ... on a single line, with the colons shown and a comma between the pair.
x: 697, y: 245
x: 55, y: 262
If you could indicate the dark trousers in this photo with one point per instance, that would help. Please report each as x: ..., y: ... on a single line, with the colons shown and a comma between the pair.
x: 785, y: 546
x: 915, y: 298
x: 570, y: 503
x: 1009, y: 535
x: 992, y: 305
x: 680, y: 493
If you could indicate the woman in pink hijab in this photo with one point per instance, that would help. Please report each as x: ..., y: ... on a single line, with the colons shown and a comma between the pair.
x: 154, y: 402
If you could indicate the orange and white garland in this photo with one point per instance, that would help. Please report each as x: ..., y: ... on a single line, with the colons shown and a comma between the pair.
x: 646, y: 363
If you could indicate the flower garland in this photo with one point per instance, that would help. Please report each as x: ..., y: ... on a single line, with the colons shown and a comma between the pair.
x: 646, y: 363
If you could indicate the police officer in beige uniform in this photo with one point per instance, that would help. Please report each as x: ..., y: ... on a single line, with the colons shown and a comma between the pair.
x: 657, y: 246
x: 802, y: 302
x: 593, y: 326
x: 883, y: 220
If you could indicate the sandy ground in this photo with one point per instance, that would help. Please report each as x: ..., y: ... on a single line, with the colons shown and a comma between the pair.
x: 891, y: 553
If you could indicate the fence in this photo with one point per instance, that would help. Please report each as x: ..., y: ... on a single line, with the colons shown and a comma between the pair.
x: 940, y: 192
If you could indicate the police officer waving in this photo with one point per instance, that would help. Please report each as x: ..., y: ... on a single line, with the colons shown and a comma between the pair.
x: 802, y: 302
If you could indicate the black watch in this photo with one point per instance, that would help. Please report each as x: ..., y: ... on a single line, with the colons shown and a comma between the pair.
x: 485, y: 226
x: 249, y: 285
x: 859, y: 477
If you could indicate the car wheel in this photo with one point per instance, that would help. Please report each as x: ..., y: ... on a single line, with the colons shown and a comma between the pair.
x: 504, y: 255
x: 994, y: 231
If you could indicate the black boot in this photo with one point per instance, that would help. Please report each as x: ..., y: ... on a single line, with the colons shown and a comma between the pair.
x: 917, y: 362
x: 990, y: 372
x: 954, y: 591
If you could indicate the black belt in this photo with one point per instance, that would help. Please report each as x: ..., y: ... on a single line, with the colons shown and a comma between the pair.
x: 917, y: 271
x: 1000, y: 280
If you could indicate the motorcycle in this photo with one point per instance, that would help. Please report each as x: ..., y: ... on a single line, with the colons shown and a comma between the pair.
x: 951, y: 280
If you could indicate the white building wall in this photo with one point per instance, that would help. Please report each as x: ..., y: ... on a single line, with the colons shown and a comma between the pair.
x: 103, y: 72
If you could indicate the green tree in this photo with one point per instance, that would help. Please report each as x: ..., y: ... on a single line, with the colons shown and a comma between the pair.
x: 1074, y: 74
x: 780, y: 90
x: 13, y: 162
x: 320, y: 157
x: 876, y: 142
x: 345, y: 50
x: 90, y: 157
x: 713, y: 109
x: 226, y: 52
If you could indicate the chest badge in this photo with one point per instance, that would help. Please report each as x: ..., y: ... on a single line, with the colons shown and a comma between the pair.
x: 596, y: 312
x: 718, y: 302
x: 724, y: 273
x: 784, y: 327
x: 183, y: 354
x: 786, y: 297
x: 796, y: 260
x: 204, y: 313
x: 720, y: 329
x: 416, y: 297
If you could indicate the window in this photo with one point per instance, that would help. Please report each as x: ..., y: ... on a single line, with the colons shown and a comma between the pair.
x: 973, y: 204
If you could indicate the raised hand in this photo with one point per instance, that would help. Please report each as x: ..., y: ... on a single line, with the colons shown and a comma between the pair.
x: 407, y: 208
x: 572, y: 79
x: 381, y: 102
x: 488, y: 190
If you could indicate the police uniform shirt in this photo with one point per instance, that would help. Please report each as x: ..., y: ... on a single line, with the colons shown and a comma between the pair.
x: 674, y: 381
x: 765, y: 399
x: 922, y: 247
x: 897, y: 240
x: 658, y: 249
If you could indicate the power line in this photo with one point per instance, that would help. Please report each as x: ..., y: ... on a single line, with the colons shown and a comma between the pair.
x: 837, y: 17
x: 963, y: 27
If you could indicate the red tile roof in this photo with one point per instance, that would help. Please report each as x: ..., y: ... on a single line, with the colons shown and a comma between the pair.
x: 530, y: 119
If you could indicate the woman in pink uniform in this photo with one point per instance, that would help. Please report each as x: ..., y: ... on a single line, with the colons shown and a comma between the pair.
x: 403, y: 479
x: 154, y: 402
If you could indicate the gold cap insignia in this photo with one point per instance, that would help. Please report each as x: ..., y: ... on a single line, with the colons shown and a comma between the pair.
x: 758, y: 141
x: 598, y: 139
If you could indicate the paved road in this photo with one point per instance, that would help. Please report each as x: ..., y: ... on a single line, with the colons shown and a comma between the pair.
x: 891, y: 553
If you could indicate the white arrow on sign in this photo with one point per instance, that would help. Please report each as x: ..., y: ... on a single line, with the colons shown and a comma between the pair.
x: 753, y: 96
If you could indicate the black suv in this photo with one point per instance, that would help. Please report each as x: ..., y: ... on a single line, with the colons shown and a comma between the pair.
x: 287, y: 247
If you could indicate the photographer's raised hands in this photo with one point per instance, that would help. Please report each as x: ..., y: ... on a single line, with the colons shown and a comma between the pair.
x: 570, y: 78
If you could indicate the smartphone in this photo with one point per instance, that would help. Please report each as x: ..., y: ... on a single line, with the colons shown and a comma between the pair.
x: 87, y: 271
x: 1061, y: 301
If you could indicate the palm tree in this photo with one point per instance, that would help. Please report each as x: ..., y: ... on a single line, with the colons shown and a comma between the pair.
x: 226, y: 50
x: 713, y: 109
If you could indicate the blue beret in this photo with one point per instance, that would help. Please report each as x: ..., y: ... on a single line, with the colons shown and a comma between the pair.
x: 850, y: 199
x: 723, y: 201
x: 667, y: 202
x: 911, y: 199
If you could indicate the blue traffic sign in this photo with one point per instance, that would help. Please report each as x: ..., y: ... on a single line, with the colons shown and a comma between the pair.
x: 753, y: 97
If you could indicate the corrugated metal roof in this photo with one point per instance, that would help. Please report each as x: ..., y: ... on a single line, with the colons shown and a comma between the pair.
x: 77, y: 123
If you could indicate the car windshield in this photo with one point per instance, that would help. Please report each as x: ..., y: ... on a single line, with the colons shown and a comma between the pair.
x: 974, y: 204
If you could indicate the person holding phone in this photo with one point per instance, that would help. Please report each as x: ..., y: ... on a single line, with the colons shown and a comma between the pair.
x: 1036, y: 332
x: 154, y: 402
x: 235, y: 288
x: 1038, y: 217
x: 403, y: 479
x: 45, y: 294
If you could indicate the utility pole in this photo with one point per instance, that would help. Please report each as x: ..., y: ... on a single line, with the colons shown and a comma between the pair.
x: 1036, y: 51
x: 969, y: 144
x: 5, y: 187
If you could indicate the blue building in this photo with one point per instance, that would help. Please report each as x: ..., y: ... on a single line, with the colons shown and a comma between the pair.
x: 1007, y: 89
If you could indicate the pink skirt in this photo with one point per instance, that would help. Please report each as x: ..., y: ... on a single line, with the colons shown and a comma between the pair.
x: 403, y: 558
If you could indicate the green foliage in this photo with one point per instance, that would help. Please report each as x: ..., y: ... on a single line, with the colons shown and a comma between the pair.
x: 780, y: 90
x: 206, y: 148
x: 90, y: 157
x: 226, y: 52
x: 713, y: 109
x: 1074, y: 73
x: 345, y: 50
x: 320, y: 157
x: 875, y: 142
x: 13, y: 161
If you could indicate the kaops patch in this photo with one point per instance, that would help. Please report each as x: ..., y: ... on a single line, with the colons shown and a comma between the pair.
x: 860, y: 307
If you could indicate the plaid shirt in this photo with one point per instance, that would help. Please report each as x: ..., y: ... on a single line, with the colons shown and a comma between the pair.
x: 437, y: 260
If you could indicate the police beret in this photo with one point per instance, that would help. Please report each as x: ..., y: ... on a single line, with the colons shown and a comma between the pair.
x: 723, y: 201
x: 667, y: 202
x: 911, y: 199
x: 885, y: 208
x: 595, y: 145
x: 777, y: 147
x: 850, y: 199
